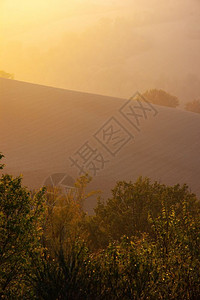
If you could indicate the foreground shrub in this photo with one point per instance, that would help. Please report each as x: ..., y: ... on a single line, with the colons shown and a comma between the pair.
x: 126, y: 212
x: 149, y: 244
x: 166, y: 266
x: 20, y: 233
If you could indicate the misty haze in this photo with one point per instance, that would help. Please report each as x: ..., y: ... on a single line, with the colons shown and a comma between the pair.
x: 99, y: 149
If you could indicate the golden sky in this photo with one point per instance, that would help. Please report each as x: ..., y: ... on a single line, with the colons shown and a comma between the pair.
x: 106, y: 47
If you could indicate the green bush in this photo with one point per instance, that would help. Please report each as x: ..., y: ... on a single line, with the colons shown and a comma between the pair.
x: 126, y: 212
x: 148, y: 248
x: 20, y: 233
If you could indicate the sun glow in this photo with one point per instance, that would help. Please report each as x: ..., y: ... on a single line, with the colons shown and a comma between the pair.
x: 102, y: 46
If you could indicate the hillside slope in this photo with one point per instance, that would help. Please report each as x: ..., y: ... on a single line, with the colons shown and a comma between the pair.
x: 46, y: 131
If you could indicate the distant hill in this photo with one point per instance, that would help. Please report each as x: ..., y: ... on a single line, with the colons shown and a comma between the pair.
x: 47, y: 131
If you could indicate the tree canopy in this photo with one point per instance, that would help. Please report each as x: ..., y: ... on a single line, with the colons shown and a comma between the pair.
x: 1, y: 165
x: 127, y: 211
x: 4, y: 74
x: 193, y: 106
x: 142, y: 243
x: 20, y: 232
x: 160, y: 97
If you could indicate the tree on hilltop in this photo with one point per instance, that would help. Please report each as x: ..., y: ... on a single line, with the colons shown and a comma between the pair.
x: 160, y: 97
x: 193, y: 106
x: 4, y: 74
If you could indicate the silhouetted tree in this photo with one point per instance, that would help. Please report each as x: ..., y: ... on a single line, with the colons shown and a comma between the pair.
x: 20, y: 232
x: 161, y: 97
x: 4, y: 74
x: 193, y: 106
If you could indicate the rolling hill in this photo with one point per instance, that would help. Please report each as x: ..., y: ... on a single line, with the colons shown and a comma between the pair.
x: 50, y: 134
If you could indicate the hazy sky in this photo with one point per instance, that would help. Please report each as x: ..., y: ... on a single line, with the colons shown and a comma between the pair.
x: 106, y: 47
